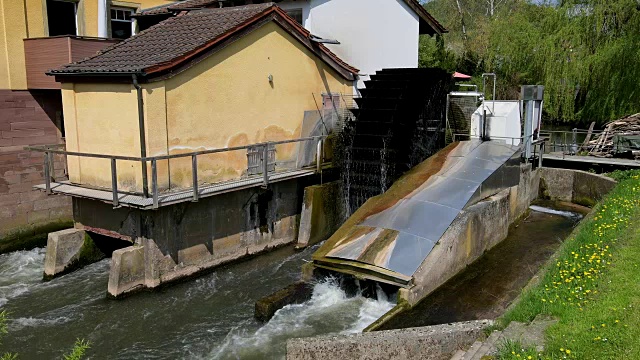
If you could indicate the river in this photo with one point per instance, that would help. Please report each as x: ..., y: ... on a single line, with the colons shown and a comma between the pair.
x: 210, y: 317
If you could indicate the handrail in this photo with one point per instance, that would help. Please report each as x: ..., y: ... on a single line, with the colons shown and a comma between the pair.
x: 43, y: 148
x: 49, y: 151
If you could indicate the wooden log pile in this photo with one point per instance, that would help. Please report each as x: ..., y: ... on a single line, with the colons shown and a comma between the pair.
x: 603, y: 146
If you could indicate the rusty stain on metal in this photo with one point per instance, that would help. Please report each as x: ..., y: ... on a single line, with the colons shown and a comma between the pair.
x: 105, y: 232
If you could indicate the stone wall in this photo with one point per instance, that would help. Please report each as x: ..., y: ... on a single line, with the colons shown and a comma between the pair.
x: 437, y: 342
x: 578, y: 187
x: 26, y: 215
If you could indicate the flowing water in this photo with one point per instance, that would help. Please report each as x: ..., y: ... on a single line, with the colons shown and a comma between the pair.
x: 210, y: 317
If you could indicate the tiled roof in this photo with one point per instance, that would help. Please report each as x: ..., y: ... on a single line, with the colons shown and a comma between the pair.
x: 177, y: 39
x: 178, y: 5
x: 191, y: 4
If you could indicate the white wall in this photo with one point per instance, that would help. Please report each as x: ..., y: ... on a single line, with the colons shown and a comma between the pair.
x: 374, y: 34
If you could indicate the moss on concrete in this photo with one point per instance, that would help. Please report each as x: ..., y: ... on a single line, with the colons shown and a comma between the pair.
x: 585, y: 201
x: 31, y: 236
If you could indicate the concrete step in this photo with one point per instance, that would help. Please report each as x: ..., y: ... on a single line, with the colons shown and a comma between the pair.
x: 458, y: 355
x: 514, y: 331
x: 534, y: 335
x: 490, y: 346
x: 472, y: 350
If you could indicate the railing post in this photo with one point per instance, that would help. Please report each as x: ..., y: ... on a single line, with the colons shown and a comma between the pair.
x: 114, y: 183
x: 47, y: 175
x: 541, y: 153
x: 52, y: 167
x: 319, y: 154
x: 265, y: 163
x: 154, y: 182
x: 194, y: 174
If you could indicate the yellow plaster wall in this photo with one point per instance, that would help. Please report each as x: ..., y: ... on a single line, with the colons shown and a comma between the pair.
x: 102, y: 119
x: 227, y: 100
x: 13, y: 30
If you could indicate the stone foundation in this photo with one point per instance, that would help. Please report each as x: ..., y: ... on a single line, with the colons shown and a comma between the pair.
x: 68, y: 250
x: 185, y: 239
x: 322, y: 213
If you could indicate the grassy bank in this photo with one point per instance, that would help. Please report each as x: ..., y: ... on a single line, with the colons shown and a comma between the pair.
x: 592, y: 286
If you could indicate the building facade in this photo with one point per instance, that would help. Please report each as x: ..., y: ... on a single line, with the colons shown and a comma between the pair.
x: 35, y: 36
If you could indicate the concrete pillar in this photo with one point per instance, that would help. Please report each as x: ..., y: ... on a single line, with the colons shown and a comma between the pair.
x: 322, y: 213
x: 68, y: 250
x: 127, y: 272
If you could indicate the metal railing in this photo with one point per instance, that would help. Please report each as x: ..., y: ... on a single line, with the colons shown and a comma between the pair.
x: 570, y: 142
x: 267, y: 165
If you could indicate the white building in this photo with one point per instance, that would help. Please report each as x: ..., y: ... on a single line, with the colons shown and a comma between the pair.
x: 373, y: 34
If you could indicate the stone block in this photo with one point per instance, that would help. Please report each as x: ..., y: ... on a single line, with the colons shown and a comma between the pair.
x: 556, y: 184
x: 68, y: 250
x: 296, y: 293
x: 127, y: 272
x: 424, y: 343
x: 227, y: 245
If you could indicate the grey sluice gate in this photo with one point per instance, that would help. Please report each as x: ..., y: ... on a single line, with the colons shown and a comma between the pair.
x: 399, y: 238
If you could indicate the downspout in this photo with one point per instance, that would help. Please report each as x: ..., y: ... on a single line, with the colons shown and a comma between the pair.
x: 143, y: 142
x: 102, y: 19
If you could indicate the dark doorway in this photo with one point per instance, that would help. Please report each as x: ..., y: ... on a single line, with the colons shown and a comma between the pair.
x: 61, y: 17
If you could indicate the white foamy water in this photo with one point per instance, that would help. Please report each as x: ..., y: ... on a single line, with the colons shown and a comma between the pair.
x: 329, y: 310
x: 19, y: 271
x: 567, y: 214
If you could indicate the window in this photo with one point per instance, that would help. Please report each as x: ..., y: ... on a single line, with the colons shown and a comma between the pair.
x: 296, y: 14
x: 122, y: 25
x: 61, y: 17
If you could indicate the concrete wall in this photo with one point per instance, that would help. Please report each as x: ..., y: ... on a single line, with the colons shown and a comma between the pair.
x: 476, y: 230
x: 322, y: 213
x: 26, y: 215
x: 574, y: 186
x: 184, y: 239
x: 425, y: 343
x: 20, y: 19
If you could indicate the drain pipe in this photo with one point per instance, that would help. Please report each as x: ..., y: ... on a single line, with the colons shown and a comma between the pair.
x: 143, y: 142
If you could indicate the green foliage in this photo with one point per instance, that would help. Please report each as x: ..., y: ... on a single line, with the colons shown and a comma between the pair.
x: 79, y: 349
x: 514, y: 350
x: 587, y: 287
x: 585, y: 52
x: 621, y: 175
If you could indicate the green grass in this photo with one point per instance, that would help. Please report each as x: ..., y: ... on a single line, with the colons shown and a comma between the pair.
x: 592, y: 286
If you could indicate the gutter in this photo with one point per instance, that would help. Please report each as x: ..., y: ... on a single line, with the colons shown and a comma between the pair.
x: 143, y: 142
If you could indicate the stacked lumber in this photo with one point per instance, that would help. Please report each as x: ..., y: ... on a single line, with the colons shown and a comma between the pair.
x: 602, y: 145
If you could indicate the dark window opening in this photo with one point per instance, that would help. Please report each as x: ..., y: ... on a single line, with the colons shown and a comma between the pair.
x: 61, y: 17
x: 121, y: 23
x: 296, y: 14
